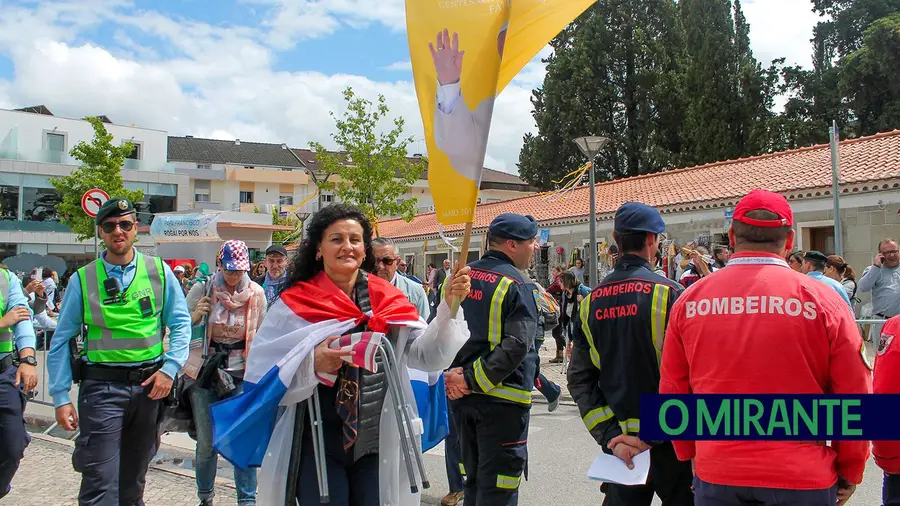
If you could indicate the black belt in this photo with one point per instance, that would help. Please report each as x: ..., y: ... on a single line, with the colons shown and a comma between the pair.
x: 6, y: 362
x: 119, y: 374
x: 240, y: 345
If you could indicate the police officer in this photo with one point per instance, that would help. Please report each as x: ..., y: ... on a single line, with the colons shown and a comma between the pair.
x: 491, y: 378
x: 619, y: 338
x: 17, y: 375
x: 125, y: 301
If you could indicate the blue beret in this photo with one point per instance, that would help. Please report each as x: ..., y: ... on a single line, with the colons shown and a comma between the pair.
x: 113, y: 208
x: 638, y: 217
x: 514, y: 226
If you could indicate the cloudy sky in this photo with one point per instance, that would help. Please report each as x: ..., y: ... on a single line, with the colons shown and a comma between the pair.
x: 262, y: 70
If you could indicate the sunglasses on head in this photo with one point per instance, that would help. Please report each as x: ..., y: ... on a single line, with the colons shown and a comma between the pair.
x: 110, y: 226
x: 386, y: 260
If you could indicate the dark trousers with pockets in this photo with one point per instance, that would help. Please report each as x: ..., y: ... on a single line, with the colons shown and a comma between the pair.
x: 493, y: 439
x: 669, y: 478
x: 710, y: 494
x: 119, y: 437
x: 452, y: 460
x: 890, y: 492
x: 13, y: 436
x: 349, y: 483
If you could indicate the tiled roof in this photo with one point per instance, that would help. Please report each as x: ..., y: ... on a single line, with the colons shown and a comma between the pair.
x: 800, y: 173
x: 490, y: 176
x: 194, y: 149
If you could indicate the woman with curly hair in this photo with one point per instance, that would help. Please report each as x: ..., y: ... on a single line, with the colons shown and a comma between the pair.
x: 329, y: 295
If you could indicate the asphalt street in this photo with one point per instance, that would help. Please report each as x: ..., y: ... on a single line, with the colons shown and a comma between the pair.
x: 560, y: 452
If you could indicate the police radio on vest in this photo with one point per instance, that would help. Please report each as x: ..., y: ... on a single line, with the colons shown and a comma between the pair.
x: 753, y: 304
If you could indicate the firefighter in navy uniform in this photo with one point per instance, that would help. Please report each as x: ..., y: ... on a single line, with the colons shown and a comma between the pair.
x: 619, y: 338
x: 490, y: 380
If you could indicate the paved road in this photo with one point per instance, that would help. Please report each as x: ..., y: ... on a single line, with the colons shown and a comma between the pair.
x: 560, y: 451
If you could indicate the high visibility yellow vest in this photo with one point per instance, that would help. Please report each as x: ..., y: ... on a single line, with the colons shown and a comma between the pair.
x: 128, y: 327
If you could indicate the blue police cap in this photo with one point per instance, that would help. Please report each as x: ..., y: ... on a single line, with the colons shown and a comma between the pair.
x: 514, y: 226
x: 638, y: 217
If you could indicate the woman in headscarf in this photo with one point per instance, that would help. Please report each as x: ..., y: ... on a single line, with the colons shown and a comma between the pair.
x: 233, y: 307
x: 331, y: 297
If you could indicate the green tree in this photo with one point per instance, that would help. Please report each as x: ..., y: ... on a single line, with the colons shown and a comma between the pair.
x: 614, y: 72
x: 373, y: 170
x: 280, y: 237
x: 870, y: 79
x: 101, y: 167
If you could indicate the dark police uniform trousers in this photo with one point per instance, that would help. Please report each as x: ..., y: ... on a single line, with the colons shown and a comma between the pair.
x: 119, y: 437
x: 710, y: 494
x: 13, y: 436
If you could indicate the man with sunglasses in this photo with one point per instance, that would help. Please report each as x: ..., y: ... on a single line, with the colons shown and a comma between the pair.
x: 122, y: 303
x: 386, y: 262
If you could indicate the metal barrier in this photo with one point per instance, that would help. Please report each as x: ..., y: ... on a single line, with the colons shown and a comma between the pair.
x: 866, y: 325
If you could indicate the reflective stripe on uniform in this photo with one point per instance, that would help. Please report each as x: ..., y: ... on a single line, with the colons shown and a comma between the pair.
x: 462, y: 468
x: 6, y: 335
x: 94, y: 301
x: 659, y: 306
x: 630, y: 426
x: 516, y: 395
x: 481, y: 377
x: 495, y: 316
x: 597, y: 416
x: 585, y: 312
x: 508, y: 482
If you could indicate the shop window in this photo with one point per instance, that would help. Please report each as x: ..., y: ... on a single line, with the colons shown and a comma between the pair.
x: 39, y: 204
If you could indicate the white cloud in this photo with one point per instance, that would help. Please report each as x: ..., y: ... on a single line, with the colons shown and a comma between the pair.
x: 292, y: 20
x: 781, y: 29
x: 405, y: 65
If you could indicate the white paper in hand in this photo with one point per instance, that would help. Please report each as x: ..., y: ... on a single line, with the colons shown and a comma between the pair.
x: 612, y: 469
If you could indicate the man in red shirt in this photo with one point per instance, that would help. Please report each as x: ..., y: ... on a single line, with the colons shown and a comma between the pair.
x: 758, y: 327
x: 887, y: 381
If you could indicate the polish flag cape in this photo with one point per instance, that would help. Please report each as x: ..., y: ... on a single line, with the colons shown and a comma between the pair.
x: 280, y: 366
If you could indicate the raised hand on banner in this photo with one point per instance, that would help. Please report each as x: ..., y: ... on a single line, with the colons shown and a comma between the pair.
x: 448, y: 59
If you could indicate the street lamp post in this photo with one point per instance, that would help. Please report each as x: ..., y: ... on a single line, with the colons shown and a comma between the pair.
x: 591, y: 146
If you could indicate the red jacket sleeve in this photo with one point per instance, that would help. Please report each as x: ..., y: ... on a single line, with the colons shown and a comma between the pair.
x: 887, y: 381
x: 848, y: 373
x: 675, y: 372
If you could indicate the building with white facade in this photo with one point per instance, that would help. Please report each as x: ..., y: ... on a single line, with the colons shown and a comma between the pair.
x: 35, y: 146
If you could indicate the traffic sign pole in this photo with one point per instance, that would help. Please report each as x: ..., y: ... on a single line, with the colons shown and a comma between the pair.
x: 91, y: 202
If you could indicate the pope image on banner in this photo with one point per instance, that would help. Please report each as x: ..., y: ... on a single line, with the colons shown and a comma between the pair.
x: 464, y: 53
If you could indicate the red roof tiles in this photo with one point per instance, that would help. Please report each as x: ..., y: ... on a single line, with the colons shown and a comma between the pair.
x: 797, y: 173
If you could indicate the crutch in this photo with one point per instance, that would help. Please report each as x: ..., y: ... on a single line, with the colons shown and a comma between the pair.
x: 315, y: 422
x: 402, y: 411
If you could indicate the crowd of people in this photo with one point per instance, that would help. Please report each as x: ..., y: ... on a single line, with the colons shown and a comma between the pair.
x: 480, y: 326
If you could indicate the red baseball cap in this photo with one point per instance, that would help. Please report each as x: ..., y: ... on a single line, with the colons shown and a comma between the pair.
x: 762, y: 200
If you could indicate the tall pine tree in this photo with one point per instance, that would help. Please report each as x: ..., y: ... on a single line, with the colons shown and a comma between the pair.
x: 614, y: 72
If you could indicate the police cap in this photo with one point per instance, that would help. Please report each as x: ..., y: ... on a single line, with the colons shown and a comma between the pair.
x: 815, y: 255
x: 639, y: 217
x: 514, y: 226
x: 113, y: 208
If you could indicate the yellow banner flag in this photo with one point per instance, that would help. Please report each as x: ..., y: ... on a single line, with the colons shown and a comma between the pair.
x: 464, y: 53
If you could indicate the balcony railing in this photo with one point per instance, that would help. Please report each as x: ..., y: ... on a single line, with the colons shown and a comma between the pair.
x: 63, y: 158
x: 208, y: 206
